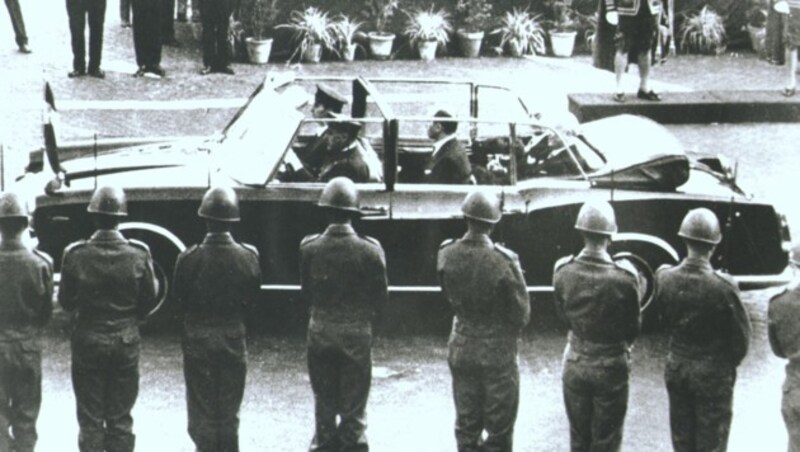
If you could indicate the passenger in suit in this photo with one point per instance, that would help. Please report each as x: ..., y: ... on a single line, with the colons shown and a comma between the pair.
x: 449, y: 163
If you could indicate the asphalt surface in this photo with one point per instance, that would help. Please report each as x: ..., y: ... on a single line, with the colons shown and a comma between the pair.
x: 410, y: 406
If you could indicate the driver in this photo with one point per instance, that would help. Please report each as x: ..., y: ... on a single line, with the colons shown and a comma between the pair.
x: 327, y: 104
x: 344, y: 155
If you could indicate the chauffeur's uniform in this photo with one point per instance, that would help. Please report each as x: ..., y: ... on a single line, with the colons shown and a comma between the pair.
x: 108, y: 280
x: 343, y: 277
x: 26, y: 293
x: 214, y: 283
x: 484, y: 284
x: 784, y: 337
x: 709, y: 335
x: 599, y: 300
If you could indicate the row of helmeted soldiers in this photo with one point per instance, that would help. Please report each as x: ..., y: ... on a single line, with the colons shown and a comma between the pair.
x: 108, y: 281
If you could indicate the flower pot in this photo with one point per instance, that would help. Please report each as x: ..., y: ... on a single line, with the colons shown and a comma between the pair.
x: 258, y: 49
x: 470, y: 43
x: 197, y: 31
x: 562, y: 42
x: 427, y: 50
x: 348, y: 52
x: 312, y: 53
x: 380, y: 45
x: 758, y: 36
x: 515, y: 48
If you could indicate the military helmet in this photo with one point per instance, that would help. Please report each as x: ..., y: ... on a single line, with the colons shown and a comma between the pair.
x: 11, y: 206
x: 794, y: 257
x: 340, y: 193
x: 481, y: 206
x: 701, y: 225
x: 219, y: 203
x: 597, y: 217
x: 108, y: 200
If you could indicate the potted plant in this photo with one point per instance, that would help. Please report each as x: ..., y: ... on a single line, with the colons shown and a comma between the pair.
x: 258, y: 16
x: 472, y: 17
x: 312, y: 31
x: 521, y: 33
x: 345, y: 31
x: 427, y: 29
x: 757, y: 26
x: 378, y: 13
x: 564, y: 28
x: 703, y: 33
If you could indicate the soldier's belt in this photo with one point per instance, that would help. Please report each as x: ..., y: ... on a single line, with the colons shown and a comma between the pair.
x: 591, y: 348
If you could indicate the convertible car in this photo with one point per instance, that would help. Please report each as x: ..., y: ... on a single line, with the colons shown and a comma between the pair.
x: 543, y: 174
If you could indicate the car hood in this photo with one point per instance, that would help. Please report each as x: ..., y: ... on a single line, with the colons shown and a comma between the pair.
x: 639, y: 154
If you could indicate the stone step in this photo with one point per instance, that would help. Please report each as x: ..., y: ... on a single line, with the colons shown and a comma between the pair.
x: 693, y: 107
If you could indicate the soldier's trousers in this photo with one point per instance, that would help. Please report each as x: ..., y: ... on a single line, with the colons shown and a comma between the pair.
x: 215, y: 369
x: 20, y: 394
x: 790, y: 408
x: 700, y: 403
x: 78, y: 12
x: 340, y: 370
x: 486, y: 398
x: 16, y: 22
x: 596, y: 399
x: 105, y: 378
x: 147, y: 31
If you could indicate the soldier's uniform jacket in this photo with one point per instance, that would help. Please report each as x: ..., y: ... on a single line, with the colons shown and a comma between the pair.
x: 109, y: 280
x: 631, y: 7
x: 703, y: 312
x: 26, y: 291
x: 348, y: 162
x: 484, y: 284
x: 599, y: 299
x: 784, y: 329
x: 214, y: 281
x: 343, y: 276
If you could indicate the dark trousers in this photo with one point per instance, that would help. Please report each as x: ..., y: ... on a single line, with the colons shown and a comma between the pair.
x: 79, y: 11
x: 125, y: 11
x: 486, y: 398
x: 105, y: 378
x: 146, y: 32
x: 20, y: 394
x: 16, y: 21
x: 596, y: 399
x: 215, y: 16
x: 167, y: 20
x: 700, y: 403
x: 340, y: 370
x: 215, y: 368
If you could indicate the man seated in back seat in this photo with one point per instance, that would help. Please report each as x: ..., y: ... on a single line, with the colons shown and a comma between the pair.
x: 448, y: 163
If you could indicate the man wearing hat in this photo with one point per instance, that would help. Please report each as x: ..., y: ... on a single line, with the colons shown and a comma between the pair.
x: 484, y: 284
x: 108, y: 281
x: 599, y: 300
x: 344, y: 154
x: 214, y: 284
x: 448, y: 163
x: 26, y: 304
x: 784, y: 338
x: 709, y: 332
x: 343, y: 279
x: 328, y: 104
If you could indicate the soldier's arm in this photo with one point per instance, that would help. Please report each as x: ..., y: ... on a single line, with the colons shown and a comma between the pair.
x: 46, y: 310
x: 148, y: 288
x: 177, y: 291
x: 740, y: 329
x: 633, y: 313
x: 518, y: 294
x: 66, y: 286
x: 772, y: 332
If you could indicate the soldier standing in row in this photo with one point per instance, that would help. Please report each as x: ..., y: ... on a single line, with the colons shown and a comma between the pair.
x: 108, y: 281
x: 343, y: 278
x: 709, y: 332
x: 215, y: 282
x: 484, y: 284
x: 784, y: 337
x: 599, y: 299
x: 26, y: 304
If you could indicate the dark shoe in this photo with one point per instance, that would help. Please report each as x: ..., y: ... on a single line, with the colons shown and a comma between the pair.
x: 76, y: 73
x: 649, y: 95
x: 156, y: 70
x: 139, y: 72
x: 97, y: 73
x: 788, y: 92
x: 181, y: 17
x: 225, y: 70
x: 205, y: 71
x: 619, y: 97
x: 23, y: 48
